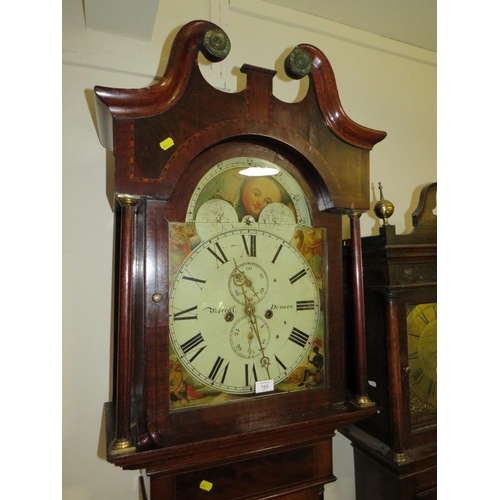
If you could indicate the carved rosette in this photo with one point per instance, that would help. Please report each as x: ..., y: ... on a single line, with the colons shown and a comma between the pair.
x: 298, y: 63
x: 216, y: 45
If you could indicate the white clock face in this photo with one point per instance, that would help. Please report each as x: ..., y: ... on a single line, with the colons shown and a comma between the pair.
x: 244, y: 308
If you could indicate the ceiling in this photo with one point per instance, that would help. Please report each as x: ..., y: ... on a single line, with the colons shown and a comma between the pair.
x: 409, y: 21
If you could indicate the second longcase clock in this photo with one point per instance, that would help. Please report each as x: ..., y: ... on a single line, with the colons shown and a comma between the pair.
x: 229, y: 297
x: 395, y: 451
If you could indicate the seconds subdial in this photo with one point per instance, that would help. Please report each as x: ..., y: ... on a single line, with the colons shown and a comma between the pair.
x: 243, y: 339
x: 253, y: 278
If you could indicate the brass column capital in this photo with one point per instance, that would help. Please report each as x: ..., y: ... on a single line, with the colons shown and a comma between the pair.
x: 128, y: 200
x: 354, y: 213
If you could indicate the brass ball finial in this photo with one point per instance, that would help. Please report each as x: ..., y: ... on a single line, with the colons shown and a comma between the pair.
x: 383, y: 208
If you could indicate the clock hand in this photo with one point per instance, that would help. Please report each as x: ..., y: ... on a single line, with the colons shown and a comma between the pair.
x: 250, y: 285
x: 239, y: 277
x: 241, y: 280
x: 250, y: 337
x: 250, y: 311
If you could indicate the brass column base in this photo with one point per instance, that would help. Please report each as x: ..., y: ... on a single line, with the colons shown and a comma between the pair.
x: 363, y: 402
x: 122, y: 446
x: 399, y: 458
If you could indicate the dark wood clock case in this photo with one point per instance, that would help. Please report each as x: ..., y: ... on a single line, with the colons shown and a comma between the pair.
x: 395, y: 450
x: 164, y: 139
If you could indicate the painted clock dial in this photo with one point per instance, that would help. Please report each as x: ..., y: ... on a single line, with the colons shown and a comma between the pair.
x: 421, y: 321
x: 246, y: 287
x: 240, y: 190
x: 245, y: 307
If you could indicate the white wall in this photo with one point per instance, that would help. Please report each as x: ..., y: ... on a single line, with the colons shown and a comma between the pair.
x: 382, y: 84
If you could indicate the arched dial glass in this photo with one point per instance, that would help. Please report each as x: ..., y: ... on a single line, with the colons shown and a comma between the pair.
x: 421, y: 322
x: 244, y: 307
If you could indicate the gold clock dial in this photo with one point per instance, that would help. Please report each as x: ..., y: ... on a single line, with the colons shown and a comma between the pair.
x: 421, y: 321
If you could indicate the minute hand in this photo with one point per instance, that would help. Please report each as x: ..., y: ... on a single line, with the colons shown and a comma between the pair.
x: 241, y: 280
x: 250, y: 310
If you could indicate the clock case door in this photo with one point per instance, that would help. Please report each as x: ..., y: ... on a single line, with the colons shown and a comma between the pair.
x: 399, y: 270
x: 396, y: 424
x: 164, y: 139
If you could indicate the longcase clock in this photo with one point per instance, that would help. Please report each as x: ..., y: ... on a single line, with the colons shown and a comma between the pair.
x: 229, y: 334
x: 395, y: 450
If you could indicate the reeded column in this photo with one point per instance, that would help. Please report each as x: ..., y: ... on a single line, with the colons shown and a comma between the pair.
x: 361, y: 398
x: 123, y: 443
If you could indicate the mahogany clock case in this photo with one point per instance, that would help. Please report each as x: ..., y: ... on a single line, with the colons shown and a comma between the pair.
x: 401, y: 273
x: 165, y: 139
x: 417, y: 427
x: 244, y: 415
